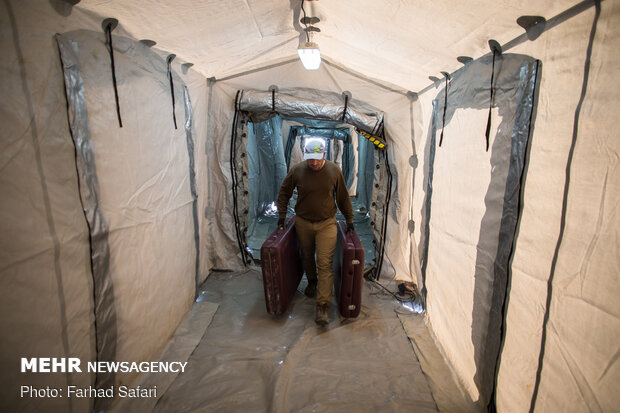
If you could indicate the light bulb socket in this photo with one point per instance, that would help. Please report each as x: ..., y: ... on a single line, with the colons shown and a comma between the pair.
x: 310, y: 55
x: 308, y: 45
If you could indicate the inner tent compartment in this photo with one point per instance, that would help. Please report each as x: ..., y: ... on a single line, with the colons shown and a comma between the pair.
x: 275, y: 144
x: 266, y: 143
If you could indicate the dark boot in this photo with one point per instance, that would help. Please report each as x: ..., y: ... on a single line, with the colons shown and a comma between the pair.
x: 310, y: 290
x: 322, y: 318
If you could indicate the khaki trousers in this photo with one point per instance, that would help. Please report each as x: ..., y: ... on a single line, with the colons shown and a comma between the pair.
x: 318, y: 238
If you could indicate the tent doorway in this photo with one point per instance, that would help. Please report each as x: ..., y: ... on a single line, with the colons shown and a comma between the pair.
x: 274, y: 145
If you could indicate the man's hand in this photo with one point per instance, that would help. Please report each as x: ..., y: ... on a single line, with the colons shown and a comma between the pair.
x: 281, y: 223
x: 350, y: 227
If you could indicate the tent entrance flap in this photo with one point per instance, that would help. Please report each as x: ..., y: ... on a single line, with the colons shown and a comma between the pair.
x: 487, y: 186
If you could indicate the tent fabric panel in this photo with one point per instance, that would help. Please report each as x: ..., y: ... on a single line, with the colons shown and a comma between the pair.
x: 562, y: 52
x: 352, y: 162
x: 267, y: 168
x: 150, y: 214
x: 366, y: 175
x: 45, y: 278
x: 575, y: 134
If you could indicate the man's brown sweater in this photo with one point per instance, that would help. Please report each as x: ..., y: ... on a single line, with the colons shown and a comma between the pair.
x: 315, y: 192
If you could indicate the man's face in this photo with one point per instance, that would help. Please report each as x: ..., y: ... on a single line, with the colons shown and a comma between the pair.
x: 316, y: 164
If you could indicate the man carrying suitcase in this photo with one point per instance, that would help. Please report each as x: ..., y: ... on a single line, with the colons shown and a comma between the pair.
x: 320, y: 187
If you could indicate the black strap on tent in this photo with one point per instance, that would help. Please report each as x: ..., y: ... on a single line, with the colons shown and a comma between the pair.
x: 378, y: 129
x: 290, y: 143
x: 346, y: 105
x: 109, y: 25
x: 496, y: 49
x: 488, y: 131
x: 273, y: 100
x: 346, y: 160
x: 445, y: 106
x: 170, y: 59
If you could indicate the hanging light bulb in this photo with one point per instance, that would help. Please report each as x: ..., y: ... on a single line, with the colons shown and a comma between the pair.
x: 308, y: 51
x: 310, y: 55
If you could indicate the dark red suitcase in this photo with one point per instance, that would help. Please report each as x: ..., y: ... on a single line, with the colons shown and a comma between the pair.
x: 348, y: 271
x: 281, y: 267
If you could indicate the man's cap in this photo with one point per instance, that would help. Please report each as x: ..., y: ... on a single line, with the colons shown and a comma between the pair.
x: 314, y: 149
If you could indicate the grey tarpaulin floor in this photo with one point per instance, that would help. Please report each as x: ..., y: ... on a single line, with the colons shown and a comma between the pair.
x: 249, y: 361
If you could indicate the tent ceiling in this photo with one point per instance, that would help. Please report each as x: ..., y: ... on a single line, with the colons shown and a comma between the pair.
x: 402, y: 42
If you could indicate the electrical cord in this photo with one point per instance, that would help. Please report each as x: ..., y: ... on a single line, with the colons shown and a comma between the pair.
x: 407, y: 296
x: 304, y: 21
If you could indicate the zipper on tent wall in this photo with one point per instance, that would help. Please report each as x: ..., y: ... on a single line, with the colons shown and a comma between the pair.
x: 235, y: 178
x: 233, y: 173
x: 382, y: 161
x: 108, y: 25
x: 388, y: 197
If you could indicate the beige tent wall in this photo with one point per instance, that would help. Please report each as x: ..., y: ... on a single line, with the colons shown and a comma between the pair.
x: 579, y: 370
x: 579, y: 367
x: 46, y: 278
x: 47, y: 284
